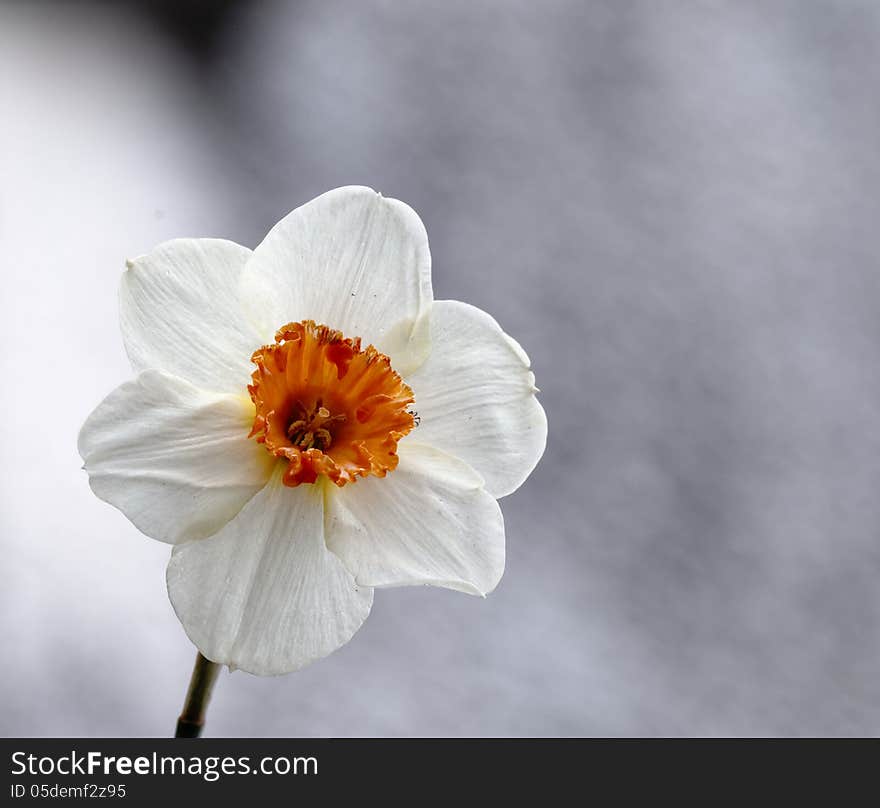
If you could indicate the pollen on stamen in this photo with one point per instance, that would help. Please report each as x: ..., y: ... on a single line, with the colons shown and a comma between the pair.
x: 326, y: 406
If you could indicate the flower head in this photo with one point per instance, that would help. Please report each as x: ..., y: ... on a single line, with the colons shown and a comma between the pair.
x: 271, y: 432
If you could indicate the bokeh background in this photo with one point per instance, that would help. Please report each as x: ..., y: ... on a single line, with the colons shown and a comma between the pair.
x: 671, y: 205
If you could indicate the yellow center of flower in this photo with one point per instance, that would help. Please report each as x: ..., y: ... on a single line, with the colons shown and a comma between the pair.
x: 326, y: 406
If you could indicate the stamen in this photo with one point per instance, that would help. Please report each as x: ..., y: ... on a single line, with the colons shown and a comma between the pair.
x: 310, y: 429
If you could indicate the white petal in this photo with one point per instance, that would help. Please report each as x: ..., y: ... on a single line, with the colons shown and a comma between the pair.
x: 351, y: 260
x: 428, y: 522
x: 181, y: 312
x: 475, y: 396
x: 175, y: 460
x: 264, y: 594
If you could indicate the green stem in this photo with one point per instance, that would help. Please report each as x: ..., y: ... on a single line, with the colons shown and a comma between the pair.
x: 192, y: 719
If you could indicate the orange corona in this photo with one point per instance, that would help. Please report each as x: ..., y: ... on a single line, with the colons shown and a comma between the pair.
x: 326, y: 406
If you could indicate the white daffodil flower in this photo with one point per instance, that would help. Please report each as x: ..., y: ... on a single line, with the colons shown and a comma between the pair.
x: 271, y: 432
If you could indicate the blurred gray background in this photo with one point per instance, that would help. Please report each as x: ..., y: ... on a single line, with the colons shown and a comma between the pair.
x: 671, y: 205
